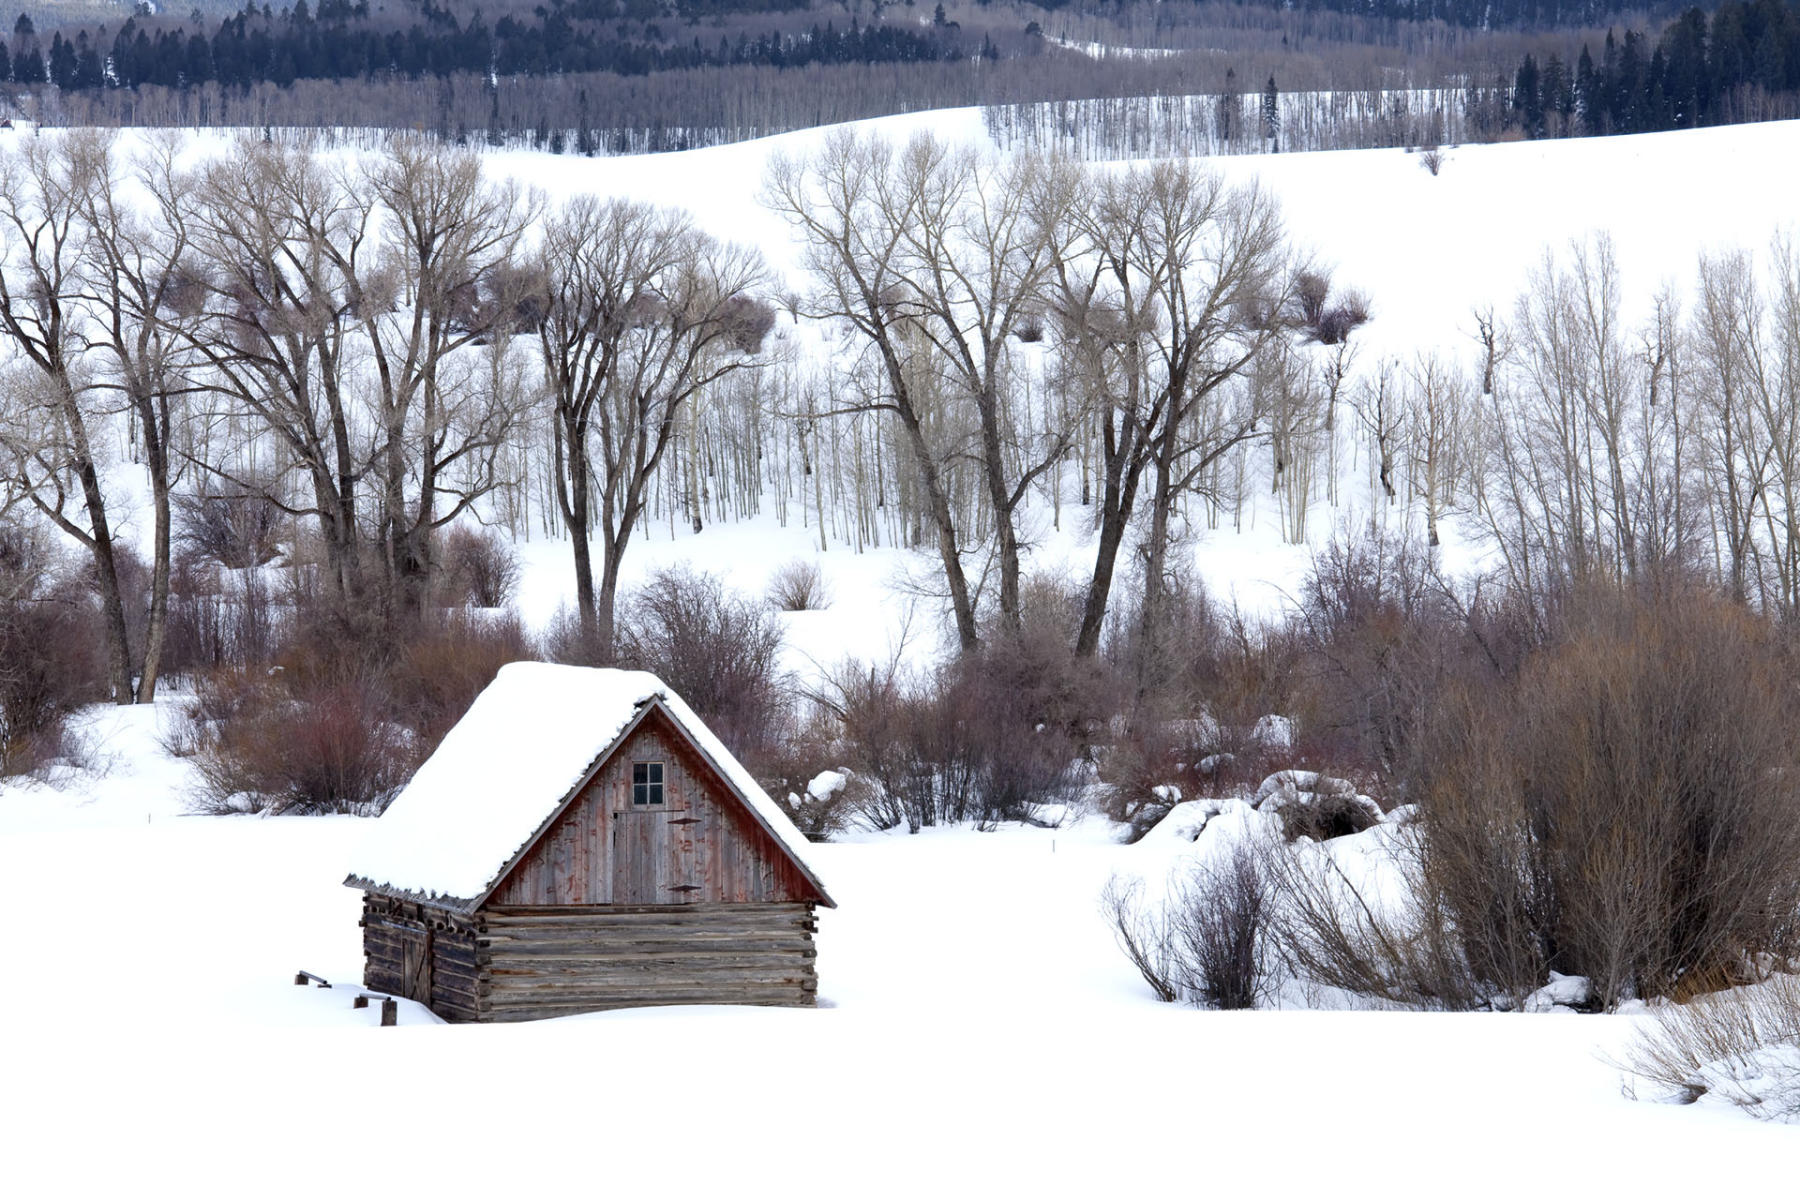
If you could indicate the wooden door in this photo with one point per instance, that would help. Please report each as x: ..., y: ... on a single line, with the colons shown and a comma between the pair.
x: 416, y: 969
x: 640, y: 857
x: 653, y: 857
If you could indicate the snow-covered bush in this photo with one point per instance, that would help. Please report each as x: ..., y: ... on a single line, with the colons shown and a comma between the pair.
x: 1741, y: 1046
x: 1320, y: 807
x: 1208, y: 940
x: 825, y: 805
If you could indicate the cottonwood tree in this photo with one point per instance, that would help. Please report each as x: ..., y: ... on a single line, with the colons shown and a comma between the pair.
x: 279, y: 241
x: 444, y: 282
x: 142, y: 306
x: 1748, y: 430
x: 642, y: 313
x: 1168, y: 284
x: 850, y: 204
x: 974, y: 255
x: 52, y: 419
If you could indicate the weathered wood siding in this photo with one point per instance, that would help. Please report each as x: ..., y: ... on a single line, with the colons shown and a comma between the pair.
x: 549, y: 962
x: 422, y: 954
x: 701, y: 847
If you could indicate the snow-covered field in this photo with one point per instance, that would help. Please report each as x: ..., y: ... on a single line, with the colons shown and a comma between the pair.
x: 981, y: 1035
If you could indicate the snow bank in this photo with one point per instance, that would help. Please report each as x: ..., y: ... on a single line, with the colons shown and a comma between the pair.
x: 530, y: 738
x: 1563, y: 992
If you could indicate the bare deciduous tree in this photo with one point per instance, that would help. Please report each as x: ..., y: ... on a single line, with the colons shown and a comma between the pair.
x: 1169, y: 283
x: 279, y: 240
x: 50, y: 450
x: 643, y: 313
x: 445, y: 282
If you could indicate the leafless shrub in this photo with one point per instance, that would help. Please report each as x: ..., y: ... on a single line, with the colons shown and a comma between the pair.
x: 805, y: 750
x: 1144, y: 776
x: 718, y: 649
x: 799, y: 586
x: 1381, y: 636
x: 216, y: 618
x: 1209, y: 940
x: 52, y: 659
x: 235, y: 528
x: 325, y: 750
x: 445, y: 665
x: 1314, y: 313
x: 1627, y: 809
x: 1432, y: 159
x: 1331, y: 932
x: 990, y: 737
x: 1742, y: 1045
x: 481, y: 568
x: 1143, y: 934
x: 1220, y: 921
x: 566, y: 640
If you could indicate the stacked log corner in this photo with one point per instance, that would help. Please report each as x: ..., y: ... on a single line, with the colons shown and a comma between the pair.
x: 424, y: 954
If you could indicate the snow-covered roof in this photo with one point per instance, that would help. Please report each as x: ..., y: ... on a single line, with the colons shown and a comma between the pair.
x: 532, y: 738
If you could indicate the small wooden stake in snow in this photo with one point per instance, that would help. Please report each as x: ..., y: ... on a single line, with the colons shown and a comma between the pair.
x: 390, y: 1011
x: 360, y: 1002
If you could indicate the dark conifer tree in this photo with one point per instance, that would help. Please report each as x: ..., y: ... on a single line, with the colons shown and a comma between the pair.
x: 1271, y: 116
x: 1528, y: 99
x: 29, y: 67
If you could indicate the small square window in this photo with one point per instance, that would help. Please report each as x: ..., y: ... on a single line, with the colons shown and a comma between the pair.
x: 646, y: 785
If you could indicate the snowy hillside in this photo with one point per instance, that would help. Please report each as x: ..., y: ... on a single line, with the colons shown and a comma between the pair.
x: 1427, y: 251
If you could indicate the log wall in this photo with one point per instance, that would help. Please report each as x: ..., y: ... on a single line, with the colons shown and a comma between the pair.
x: 550, y: 962
x: 700, y: 847
x: 423, y: 954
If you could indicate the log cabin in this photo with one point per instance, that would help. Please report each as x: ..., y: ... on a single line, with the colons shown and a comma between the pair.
x: 581, y: 841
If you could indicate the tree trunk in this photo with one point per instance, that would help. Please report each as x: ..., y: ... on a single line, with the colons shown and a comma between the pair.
x: 156, y: 627
x: 106, y: 577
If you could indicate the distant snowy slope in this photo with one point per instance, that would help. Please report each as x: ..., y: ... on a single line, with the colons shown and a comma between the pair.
x: 1427, y: 250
